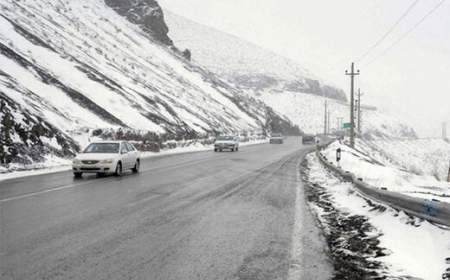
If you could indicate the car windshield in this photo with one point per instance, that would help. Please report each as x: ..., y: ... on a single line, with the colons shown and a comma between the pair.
x: 225, y: 138
x: 102, y: 148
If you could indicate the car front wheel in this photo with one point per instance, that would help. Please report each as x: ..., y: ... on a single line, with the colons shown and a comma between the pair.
x: 136, y: 167
x: 118, y: 172
x: 77, y: 175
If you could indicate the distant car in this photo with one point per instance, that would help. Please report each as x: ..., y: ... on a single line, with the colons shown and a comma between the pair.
x: 308, y: 139
x: 227, y: 142
x: 276, y: 138
x: 106, y: 157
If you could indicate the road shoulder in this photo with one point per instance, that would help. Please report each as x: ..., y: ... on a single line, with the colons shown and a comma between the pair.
x: 310, y: 253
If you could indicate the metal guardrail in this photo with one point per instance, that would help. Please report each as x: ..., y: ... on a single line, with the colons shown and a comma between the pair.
x: 431, y: 210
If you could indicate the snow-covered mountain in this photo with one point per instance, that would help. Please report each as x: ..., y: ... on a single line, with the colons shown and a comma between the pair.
x: 71, y: 66
x: 68, y: 68
x: 243, y: 63
x: 283, y: 84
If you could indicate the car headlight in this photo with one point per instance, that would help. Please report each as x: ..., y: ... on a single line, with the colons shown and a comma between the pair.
x: 76, y: 161
x: 106, y: 161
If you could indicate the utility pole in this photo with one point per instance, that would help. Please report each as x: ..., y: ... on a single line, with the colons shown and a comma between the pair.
x: 448, y: 177
x: 325, y: 119
x: 352, y: 75
x: 328, y: 122
x: 359, y: 111
x: 356, y: 114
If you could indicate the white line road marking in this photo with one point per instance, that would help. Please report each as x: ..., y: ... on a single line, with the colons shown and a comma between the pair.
x: 164, y: 168
x: 43, y: 191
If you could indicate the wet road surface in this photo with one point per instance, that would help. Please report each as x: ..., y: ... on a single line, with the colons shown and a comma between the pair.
x: 198, y: 215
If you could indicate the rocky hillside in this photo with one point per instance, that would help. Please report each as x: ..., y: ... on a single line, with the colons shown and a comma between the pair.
x: 244, y: 64
x: 27, y: 137
x: 69, y: 67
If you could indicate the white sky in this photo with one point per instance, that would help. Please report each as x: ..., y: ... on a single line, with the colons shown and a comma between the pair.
x: 413, y: 79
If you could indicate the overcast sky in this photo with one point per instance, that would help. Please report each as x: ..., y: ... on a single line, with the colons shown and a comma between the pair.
x: 411, y: 80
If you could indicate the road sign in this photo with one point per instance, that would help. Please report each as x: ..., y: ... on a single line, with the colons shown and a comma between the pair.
x: 346, y: 125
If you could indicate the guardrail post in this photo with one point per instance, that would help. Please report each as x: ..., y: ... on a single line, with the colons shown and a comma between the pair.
x: 338, y: 156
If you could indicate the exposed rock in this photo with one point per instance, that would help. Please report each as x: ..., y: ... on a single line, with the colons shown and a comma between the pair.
x: 23, y: 136
x: 145, y: 13
x: 187, y: 54
x: 279, y: 124
x: 254, y: 81
x: 311, y: 86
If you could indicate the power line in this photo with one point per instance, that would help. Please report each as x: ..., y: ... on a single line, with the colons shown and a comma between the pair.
x: 377, y: 43
x: 407, y: 32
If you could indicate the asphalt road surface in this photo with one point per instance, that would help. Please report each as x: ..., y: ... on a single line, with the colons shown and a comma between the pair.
x: 199, y: 215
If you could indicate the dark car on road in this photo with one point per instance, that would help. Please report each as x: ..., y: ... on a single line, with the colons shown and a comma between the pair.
x: 276, y: 138
x: 308, y: 139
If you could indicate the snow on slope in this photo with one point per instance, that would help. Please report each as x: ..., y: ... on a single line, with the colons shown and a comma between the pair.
x: 243, y: 63
x: 419, y: 156
x: 377, y: 170
x: 307, y: 112
x: 79, y: 64
x: 129, y: 69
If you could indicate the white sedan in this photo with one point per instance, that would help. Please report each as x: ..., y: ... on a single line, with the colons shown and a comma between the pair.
x: 226, y: 143
x: 106, y: 157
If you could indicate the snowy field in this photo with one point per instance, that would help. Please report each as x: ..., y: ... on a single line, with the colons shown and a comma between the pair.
x: 374, y: 240
x: 380, y: 171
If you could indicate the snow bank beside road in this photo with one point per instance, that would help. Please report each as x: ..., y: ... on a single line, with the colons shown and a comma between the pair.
x: 378, y: 240
x: 379, y: 171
